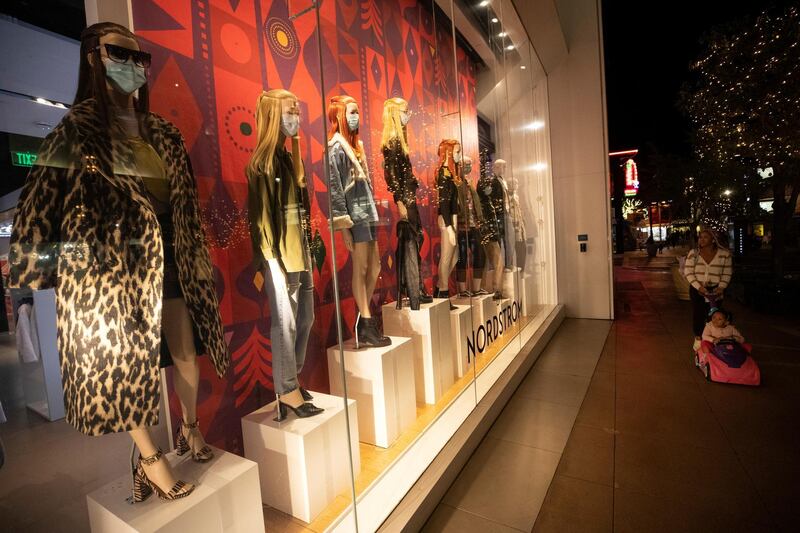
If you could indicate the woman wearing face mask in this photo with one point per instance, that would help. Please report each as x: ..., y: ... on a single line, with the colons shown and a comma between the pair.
x: 708, y: 270
x: 109, y: 216
x: 403, y: 185
x: 448, y: 177
x: 354, y: 212
x: 280, y: 231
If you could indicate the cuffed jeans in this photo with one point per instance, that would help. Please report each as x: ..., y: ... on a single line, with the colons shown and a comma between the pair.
x: 291, y: 306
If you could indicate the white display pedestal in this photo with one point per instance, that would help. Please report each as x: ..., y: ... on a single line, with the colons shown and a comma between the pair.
x: 528, y: 294
x: 41, y: 380
x: 226, y: 499
x: 482, y: 308
x: 429, y: 330
x: 381, y: 381
x: 461, y: 326
x: 511, y: 282
x: 302, y: 462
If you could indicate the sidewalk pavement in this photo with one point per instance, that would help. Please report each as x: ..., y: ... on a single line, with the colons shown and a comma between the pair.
x: 657, y: 448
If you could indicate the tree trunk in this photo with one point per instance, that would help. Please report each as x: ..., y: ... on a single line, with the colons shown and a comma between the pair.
x: 781, y: 218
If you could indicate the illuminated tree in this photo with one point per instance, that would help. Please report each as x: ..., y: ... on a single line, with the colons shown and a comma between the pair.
x: 744, y: 105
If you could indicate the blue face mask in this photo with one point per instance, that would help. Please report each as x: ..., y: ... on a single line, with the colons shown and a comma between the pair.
x: 126, y: 77
x: 352, y: 121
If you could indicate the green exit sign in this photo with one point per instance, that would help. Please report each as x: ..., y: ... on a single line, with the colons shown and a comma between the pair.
x: 23, y: 159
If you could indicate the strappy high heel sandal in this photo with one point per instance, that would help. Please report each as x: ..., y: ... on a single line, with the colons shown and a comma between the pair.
x: 143, y: 487
x: 182, y: 443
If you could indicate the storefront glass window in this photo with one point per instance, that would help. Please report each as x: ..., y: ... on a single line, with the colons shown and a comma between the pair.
x: 356, y: 212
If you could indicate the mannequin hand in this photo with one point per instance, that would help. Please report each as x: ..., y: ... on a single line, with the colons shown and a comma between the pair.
x: 451, y: 235
x: 702, y: 290
x: 718, y: 291
x: 401, y: 208
x: 277, y: 272
x: 348, y: 240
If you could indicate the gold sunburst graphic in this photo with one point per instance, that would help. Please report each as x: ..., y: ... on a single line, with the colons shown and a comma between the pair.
x: 282, y: 38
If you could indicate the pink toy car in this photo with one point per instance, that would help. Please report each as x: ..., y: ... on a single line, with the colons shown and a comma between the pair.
x: 727, y: 361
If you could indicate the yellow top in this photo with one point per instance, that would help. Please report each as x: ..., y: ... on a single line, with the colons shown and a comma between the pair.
x: 151, y: 169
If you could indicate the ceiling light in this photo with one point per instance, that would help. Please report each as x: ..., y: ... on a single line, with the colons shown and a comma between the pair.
x: 45, y: 101
x: 495, y: 20
x: 502, y: 34
x: 535, y: 125
x: 484, y: 3
x: 523, y: 67
x: 510, y: 47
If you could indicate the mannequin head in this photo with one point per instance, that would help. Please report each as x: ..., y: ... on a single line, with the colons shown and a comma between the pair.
x: 449, y: 153
x: 340, y: 110
x: 271, y: 107
x: 394, y: 109
x: 92, y: 80
x: 467, y: 166
x: 499, y: 167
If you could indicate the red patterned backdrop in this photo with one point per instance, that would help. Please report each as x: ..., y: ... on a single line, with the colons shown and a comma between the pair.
x: 211, y: 59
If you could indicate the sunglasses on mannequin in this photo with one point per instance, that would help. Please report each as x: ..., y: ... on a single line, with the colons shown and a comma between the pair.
x: 120, y: 54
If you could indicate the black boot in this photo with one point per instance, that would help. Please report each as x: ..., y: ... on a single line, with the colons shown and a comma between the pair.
x: 446, y: 294
x: 367, y: 333
x: 424, y: 297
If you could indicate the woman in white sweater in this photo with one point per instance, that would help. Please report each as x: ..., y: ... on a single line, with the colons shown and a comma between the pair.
x: 708, y: 270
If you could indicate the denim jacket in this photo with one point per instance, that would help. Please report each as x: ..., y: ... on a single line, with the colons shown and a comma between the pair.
x: 352, y: 198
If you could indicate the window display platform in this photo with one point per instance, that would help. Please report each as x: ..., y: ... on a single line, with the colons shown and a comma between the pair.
x: 482, y: 308
x: 511, y: 283
x: 302, y: 462
x: 381, y: 381
x: 429, y: 330
x: 461, y: 325
x: 528, y: 295
x: 226, y: 499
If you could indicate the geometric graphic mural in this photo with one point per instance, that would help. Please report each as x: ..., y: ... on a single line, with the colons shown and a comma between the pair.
x: 211, y: 59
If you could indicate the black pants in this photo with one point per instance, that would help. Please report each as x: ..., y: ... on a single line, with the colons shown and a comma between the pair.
x: 470, y: 250
x: 700, y: 309
x: 408, y: 260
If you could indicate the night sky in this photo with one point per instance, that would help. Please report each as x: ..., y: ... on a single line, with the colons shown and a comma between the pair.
x: 648, y: 52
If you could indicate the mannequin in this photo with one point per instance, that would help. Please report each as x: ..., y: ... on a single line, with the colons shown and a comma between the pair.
x: 114, y: 182
x: 509, y: 250
x: 448, y: 178
x: 518, y: 223
x: 354, y: 212
x: 403, y: 185
x: 490, y: 191
x: 470, y: 240
x: 279, y: 213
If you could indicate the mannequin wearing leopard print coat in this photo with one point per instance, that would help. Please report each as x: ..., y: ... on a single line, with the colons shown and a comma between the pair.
x: 93, y: 236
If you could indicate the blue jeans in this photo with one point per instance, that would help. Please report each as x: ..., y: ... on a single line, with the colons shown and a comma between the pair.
x: 291, y: 306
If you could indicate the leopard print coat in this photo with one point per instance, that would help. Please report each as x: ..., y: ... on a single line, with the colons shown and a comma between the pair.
x: 92, y: 235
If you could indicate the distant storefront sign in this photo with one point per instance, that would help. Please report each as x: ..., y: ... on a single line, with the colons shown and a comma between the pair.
x: 631, y: 178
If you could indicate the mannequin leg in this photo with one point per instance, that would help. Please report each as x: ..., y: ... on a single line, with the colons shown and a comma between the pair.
x: 521, y: 252
x: 447, y: 260
x: 499, y: 267
x: 159, y: 473
x: 282, y: 290
x: 493, y: 262
x: 304, y: 318
x: 373, y: 268
x: 177, y: 326
x: 461, y: 265
x: 361, y: 256
x: 478, y: 258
